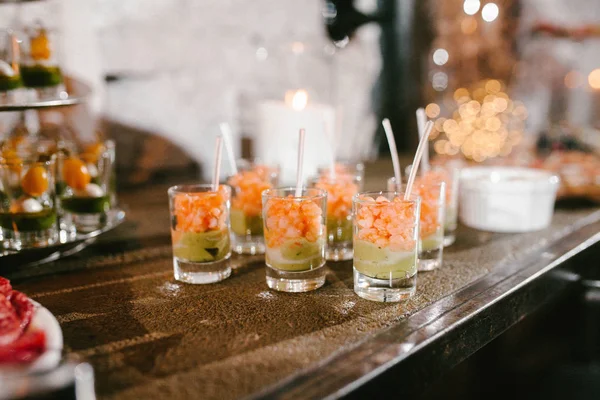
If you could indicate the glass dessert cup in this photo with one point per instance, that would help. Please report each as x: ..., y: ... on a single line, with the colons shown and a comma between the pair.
x: 356, y: 170
x: 431, y: 220
x: 40, y: 69
x: 86, y: 187
x: 295, y: 237
x: 246, y: 205
x: 10, y: 76
x: 200, y: 233
x: 340, y: 190
x: 386, y: 233
x: 450, y: 174
x: 27, y: 203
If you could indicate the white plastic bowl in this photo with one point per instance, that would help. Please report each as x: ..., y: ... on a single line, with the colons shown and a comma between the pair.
x: 506, y: 199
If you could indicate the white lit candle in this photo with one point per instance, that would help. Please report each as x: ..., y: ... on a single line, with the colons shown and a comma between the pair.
x: 278, y: 123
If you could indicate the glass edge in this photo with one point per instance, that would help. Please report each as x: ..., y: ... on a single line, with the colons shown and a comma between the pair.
x: 266, y: 193
x: 355, y: 199
x: 176, y: 188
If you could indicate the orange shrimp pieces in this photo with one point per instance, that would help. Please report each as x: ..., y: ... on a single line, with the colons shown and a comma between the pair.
x: 387, y: 223
x: 288, y: 218
x: 430, y: 218
x: 248, y: 187
x: 339, y: 196
x: 201, y: 212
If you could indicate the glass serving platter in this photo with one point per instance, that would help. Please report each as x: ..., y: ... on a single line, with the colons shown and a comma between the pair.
x: 67, y: 245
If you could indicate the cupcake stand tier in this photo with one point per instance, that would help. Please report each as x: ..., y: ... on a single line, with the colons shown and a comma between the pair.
x: 76, y: 92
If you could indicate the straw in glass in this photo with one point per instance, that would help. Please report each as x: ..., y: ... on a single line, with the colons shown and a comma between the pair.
x: 417, y: 159
x: 389, y: 133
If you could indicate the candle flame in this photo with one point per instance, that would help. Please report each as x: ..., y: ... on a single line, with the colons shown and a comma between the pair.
x: 298, y: 99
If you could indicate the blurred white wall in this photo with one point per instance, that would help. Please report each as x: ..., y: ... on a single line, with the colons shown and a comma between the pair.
x: 185, y: 63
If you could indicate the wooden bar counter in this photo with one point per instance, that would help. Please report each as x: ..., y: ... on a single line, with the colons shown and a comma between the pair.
x: 149, y: 336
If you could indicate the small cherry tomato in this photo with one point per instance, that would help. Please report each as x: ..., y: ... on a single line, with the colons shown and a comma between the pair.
x: 93, y: 152
x: 75, y: 173
x: 35, y: 181
x: 12, y: 160
x: 40, y: 46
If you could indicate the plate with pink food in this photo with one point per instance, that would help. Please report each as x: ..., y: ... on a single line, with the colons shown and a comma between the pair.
x: 30, y: 336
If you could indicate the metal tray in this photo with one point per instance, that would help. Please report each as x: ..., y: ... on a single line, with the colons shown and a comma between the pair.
x: 66, y: 246
x: 76, y: 92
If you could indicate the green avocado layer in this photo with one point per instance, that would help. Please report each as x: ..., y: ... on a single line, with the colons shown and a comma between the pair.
x: 450, y: 220
x: 201, y: 247
x: 10, y: 82
x: 432, y: 242
x: 28, y: 222
x: 38, y: 76
x: 243, y: 225
x: 381, y: 263
x: 339, y: 230
x: 86, y: 205
x: 296, y: 255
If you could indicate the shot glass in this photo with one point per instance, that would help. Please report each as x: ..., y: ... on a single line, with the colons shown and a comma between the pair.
x: 386, y: 236
x: 10, y: 76
x: 246, y: 205
x: 431, y: 220
x: 354, y: 170
x: 40, y: 66
x: 27, y: 202
x: 20, y: 145
x: 87, y: 186
x: 295, y: 238
x: 340, y: 190
x: 200, y: 233
x: 450, y: 174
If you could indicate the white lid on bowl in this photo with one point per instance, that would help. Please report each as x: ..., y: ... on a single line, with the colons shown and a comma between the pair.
x: 508, y: 179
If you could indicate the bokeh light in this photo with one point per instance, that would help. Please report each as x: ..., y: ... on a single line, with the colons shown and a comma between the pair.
x: 468, y: 25
x: 461, y: 95
x: 484, y: 122
x: 439, y: 81
x: 573, y: 79
x: 297, y: 48
x: 471, y: 7
x: 493, y: 86
x: 440, y: 146
x: 440, y: 56
x: 297, y: 99
x: 432, y: 110
x: 450, y: 126
x: 594, y: 79
x: 262, y: 54
x: 490, y: 12
x: 439, y: 124
x: 500, y: 104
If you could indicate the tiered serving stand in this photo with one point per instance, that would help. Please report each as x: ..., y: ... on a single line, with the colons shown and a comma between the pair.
x: 75, y: 93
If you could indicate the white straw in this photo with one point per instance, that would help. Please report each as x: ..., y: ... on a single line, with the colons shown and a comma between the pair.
x: 330, y: 134
x: 389, y: 133
x: 417, y: 160
x: 337, y: 134
x: 217, y: 170
x: 421, y: 121
x: 227, y: 138
x: 339, y: 119
x: 332, y: 167
x: 300, y: 163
